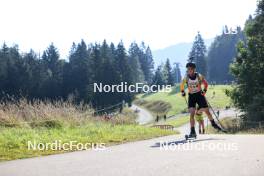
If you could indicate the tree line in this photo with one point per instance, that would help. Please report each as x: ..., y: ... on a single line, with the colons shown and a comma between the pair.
x: 49, y: 77
x: 166, y: 74
x: 221, y: 54
x: 214, y: 62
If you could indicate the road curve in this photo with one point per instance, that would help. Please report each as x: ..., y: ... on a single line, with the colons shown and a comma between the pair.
x: 144, y: 116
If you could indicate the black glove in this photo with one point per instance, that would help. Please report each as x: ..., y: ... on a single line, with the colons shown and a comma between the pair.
x: 203, y: 92
x: 183, y: 94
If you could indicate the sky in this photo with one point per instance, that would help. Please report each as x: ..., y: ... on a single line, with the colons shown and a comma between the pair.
x: 159, y: 23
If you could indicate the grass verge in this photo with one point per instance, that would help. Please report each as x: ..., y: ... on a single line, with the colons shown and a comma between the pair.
x: 14, y: 141
x: 177, y: 122
x: 233, y: 126
x: 23, y: 124
x: 215, y: 95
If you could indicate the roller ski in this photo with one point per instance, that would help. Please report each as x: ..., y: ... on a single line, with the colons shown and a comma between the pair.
x: 215, y: 126
x: 191, y: 136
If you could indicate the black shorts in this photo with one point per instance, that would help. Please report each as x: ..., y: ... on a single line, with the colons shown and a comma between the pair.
x: 197, y: 98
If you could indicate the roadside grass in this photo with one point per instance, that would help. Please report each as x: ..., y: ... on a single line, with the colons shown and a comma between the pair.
x: 215, y: 95
x: 23, y: 123
x: 179, y: 121
x: 227, y: 122
x: 14, y: 142
x: 233, y: 127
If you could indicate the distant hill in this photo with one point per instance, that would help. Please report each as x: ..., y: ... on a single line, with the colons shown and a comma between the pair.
x: 176, y: 53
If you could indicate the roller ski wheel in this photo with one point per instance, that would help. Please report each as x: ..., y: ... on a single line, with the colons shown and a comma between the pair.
x: 190, y: 137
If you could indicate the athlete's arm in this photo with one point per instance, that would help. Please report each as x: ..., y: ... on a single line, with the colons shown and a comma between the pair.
x: 204, y: 82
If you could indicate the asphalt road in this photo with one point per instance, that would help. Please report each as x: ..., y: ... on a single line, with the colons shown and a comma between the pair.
x: 218, y: 155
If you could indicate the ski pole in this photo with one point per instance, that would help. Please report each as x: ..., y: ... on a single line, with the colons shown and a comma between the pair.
x: 186, y: 101
x: 214, y: 112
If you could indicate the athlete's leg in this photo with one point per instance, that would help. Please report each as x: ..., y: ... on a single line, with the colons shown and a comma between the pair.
x: 202, y: 126
x: 207, y: 112
x: 203, y: 104
x: 191, y: 106
x: 192, y: 113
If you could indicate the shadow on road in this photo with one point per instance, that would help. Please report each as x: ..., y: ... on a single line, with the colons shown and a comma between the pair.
x: 182, y: 141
